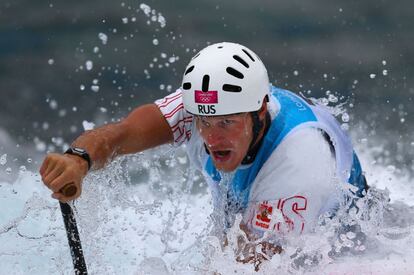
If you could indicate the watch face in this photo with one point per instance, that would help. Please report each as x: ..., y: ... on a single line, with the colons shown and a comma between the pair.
x: 78, y: 150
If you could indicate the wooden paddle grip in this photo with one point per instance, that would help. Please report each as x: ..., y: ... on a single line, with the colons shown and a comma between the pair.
x: 69, y: 190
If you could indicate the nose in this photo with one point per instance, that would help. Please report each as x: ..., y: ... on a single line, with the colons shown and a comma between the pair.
x: 213, y: 137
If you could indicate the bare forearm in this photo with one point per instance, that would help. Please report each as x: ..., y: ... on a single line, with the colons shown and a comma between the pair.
x: 144, y: 128
x: 100, y: 143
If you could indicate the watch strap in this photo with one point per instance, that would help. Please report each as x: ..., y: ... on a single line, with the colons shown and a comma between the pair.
x: 81, y: 153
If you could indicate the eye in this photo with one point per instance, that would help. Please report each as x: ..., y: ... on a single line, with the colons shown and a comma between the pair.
x: 228, y: 121
x: 204, y: 123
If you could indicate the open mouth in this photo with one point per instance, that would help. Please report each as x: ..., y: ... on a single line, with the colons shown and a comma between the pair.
x: 221, y: 155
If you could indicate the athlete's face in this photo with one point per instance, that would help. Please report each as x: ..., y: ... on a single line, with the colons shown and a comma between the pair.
x: 227, y: 138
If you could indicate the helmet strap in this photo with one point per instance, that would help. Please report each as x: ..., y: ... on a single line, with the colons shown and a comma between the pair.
x: 255, y: 143
x: 254, y: 146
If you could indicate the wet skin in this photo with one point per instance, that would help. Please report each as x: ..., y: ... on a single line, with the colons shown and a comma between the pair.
x: 227, y: 138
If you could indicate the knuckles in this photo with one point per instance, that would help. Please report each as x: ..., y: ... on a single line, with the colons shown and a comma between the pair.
x: 65, y: 167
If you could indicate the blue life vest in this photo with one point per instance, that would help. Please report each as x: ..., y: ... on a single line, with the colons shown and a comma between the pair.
x: 294, y: 112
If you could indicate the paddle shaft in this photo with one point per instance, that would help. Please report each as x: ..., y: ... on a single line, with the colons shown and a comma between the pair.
x: 73, y: 239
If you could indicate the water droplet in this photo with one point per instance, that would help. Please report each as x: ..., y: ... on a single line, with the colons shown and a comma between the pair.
x: 62, y: 112
x: 295, y: 73
x: 182, y: 160
x: 125, y: 20
x: 95, y: 49
x: 82, y: 87
x: 29, y: 160
x: 40, y: 146
x: 53, y: 104
x: 88, y: 125
x: 22, y: 168
x: 345, y: 117
x: 8, y: 170
x: 332, y: 98
x: 324, y: 101
x: 45, y: 126
x: 384, y: 72
x: 145, y: 8
x: 162, y: 21
x: 163, y: 55
x: 155, y: 41
x: 372, y: 76
x: 3, y: 159
x: 384, y: 62
x: 95, y: 88
x: 51, y: 61
x: 103, y: 37
x: 89, y: 65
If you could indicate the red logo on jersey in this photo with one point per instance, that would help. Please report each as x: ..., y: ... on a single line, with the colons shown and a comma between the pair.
x: 291, y: 209
x: 209, y: 97
x: 263, y: 218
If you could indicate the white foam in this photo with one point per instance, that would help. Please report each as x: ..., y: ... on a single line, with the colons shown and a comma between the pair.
x: 135, y: 214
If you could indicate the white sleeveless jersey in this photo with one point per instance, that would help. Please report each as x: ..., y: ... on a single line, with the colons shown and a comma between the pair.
x: 296, y: 182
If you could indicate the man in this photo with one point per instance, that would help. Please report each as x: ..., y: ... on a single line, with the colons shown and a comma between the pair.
x: 264, y: 151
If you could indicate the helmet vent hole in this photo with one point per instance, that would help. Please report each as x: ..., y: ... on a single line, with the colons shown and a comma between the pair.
x: 241, y: 61
x: 189, y: 70
x: 234, y: 72
x: 206, y: 82
x: 220, y: 47
x: 231, y: 88
x: 246, y: 52
x: 187, y: 86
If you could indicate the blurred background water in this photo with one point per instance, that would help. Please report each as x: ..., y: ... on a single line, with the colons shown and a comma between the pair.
x: 64, y: 64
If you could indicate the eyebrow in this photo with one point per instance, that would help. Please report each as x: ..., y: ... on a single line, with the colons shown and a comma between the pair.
x: 220, y: 117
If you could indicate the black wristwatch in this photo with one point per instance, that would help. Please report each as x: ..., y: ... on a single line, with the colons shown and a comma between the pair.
x: 81, y: 153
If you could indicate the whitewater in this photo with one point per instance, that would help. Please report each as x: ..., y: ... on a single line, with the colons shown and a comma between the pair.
x: 150, y: 214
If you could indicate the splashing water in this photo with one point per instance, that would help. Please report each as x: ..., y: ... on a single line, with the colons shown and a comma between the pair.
x: 148, y: 213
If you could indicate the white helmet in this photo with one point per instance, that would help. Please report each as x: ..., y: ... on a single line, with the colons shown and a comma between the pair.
x: 224, y: 78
